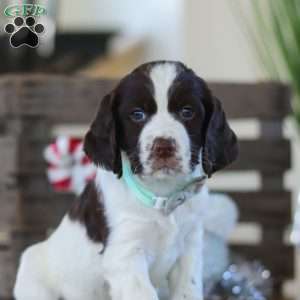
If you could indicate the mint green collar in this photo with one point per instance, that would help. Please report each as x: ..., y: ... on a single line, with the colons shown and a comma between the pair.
x: 166, y: 203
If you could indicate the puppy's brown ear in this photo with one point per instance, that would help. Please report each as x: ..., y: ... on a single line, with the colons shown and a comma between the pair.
x: 100, y: 143
x: 220, y: 146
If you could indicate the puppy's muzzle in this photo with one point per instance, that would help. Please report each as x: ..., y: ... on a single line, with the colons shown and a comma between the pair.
x: 163, y: 148
x: 163, y: 154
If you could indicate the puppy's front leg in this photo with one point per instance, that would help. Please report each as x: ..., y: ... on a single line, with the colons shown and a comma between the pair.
x: 185, y: 279
x: 128, y: 276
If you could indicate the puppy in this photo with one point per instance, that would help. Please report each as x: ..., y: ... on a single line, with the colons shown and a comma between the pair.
x: 136, y: 232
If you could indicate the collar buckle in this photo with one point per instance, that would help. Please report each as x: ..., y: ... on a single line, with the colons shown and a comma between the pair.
x: 160, y: 202
x: 168, y: 204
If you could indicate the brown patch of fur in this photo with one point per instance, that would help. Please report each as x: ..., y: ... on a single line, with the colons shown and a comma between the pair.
x: 89, y: 211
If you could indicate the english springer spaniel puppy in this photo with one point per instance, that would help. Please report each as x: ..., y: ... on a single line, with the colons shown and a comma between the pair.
x: 136, y: 232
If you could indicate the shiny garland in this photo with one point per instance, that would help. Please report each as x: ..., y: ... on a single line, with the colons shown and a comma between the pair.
x: 242, y: 280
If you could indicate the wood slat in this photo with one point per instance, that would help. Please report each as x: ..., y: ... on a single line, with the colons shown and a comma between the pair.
x: 273, y: 156
x: 264, y: 207
x: 272, y: 181
x: 63, y: 99
x: 7, y: 274
x: 3, y: 106
x: 32, y: 94
x: 44, y: 212
x: 24, y: 237
x: 254, y: 100
x: 272, y: 234
x: 34, y: 184
x: 31, y: 154
x: 271, y: 129
x: 278, y: 258
x: 8, y: 158
x: 29, y: 127
x: 8, y: 209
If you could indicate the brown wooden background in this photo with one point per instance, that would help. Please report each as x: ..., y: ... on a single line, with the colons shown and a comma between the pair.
x: 31, y: 105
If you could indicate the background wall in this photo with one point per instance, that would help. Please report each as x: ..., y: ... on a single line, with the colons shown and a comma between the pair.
x: 203, y: 33
x: 158, y: 22
x: 215, y: 43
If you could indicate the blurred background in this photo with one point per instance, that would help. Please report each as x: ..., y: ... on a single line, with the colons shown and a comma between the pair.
x: 204, y: 34
x: 224, y: 41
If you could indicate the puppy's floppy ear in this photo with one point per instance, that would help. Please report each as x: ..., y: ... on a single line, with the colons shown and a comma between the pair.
x: 101, y: 143
x: 220, y: 143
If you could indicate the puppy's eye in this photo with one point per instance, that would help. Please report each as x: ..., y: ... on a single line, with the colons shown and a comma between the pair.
x: 187, y: 113
x: 138, y: 115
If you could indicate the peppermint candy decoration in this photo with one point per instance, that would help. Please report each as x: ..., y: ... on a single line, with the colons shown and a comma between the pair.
x: 69, y: 169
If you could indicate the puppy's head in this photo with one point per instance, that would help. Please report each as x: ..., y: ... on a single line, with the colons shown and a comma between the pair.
x: 163, y: 116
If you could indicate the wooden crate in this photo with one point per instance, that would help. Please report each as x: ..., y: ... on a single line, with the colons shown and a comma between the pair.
x: 31, y: 105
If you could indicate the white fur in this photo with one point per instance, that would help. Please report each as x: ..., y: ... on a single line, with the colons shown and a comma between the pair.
x: 162, y: 77
x: 69, y: 265
x: 164, y: 125
x: 149, y: 255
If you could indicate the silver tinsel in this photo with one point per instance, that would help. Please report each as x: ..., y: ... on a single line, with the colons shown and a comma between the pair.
x: 242, y: 280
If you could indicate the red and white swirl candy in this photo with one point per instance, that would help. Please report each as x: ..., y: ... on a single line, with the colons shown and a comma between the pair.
x: 69, y: 169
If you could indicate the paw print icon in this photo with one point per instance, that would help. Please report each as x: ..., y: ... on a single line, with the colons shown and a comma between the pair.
x: 24, y: 32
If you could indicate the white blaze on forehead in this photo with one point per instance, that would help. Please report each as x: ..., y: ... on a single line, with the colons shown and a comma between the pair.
x: 163, y: 124
x: 162, y: 76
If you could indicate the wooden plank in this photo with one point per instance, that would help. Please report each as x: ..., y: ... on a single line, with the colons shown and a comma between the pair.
x: 63, y: 99
x: 7, y: 186
x: 46, y: 211
x: 8, y: 212
x: 271, y: 129
x: 8, y: 158
x: 2, y: 125
x: 271, y: 181
x: 22, y: 238
x: 32, y: 95
x: 273, y: 156
x: 279, y: 258
x: 29, y: 127
x: 3, y: 107
x: 7, y: 274
x: 272, y: 234
x: 31, y: 154
x: 264, y: 207
x: 4, y: 246
x: 34, y: 183
x: 266, y: 100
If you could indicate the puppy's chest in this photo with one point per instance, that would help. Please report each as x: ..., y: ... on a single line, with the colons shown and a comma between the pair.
x: 165, y: 246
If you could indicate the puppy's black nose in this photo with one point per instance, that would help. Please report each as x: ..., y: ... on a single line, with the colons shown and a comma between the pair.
x: 163, y: 148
